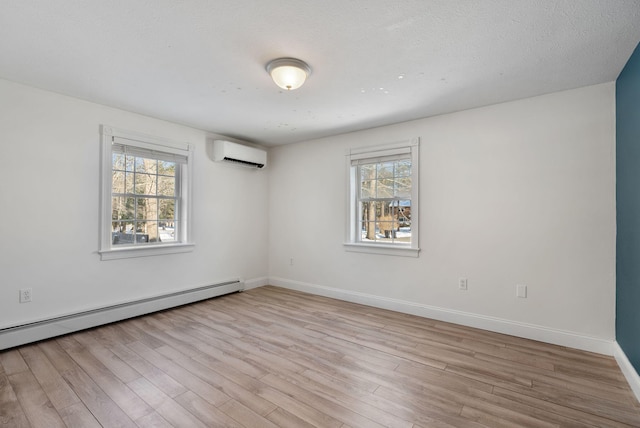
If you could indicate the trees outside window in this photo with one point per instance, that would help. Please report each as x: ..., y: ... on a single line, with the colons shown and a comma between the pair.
x: 385, y: 201
x: 144, y: 199
x: 383, y: 189
x: 144, y: 195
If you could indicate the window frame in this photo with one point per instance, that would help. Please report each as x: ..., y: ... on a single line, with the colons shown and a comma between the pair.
x: 140, y: 143
x: 376, y: 154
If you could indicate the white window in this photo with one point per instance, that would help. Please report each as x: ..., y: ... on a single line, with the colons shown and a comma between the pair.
x: 145, y: 195
x: 383, y: 199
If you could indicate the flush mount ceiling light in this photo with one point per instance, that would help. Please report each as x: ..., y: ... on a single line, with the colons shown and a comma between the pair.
x: 288, y: 73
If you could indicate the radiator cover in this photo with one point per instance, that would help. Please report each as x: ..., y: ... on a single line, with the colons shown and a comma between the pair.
x: 45, y: 329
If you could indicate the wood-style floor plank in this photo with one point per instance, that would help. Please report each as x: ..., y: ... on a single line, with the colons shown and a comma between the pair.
x: 34, y: 401
x: 132, y: 405
x: 11, y: 412
x: 12, y: 362
x: 78, y: 415
x: 274, y: 357
x: 166, y: 406
x: 58, y: 391
x: 94, y: 398
x: 232, y: 389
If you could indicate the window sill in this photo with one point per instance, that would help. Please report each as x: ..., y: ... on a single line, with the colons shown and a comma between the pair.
x: 155, y: 250
x: 389, y: 250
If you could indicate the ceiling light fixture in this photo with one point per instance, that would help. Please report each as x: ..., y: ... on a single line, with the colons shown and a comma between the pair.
x: 288, y: 73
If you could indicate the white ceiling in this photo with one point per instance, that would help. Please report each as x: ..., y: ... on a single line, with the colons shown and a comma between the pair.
x: 374, y: 62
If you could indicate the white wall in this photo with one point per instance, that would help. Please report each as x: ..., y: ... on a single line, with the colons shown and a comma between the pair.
x: 516, y: 193
x: 49, y: 211
x: 521, y: 192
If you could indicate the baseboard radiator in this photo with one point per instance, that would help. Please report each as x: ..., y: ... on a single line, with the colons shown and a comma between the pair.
x: 45, y: 329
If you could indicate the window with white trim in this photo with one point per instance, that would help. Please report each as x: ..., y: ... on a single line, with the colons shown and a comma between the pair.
x: 383, y: 199
x: 145, y: 195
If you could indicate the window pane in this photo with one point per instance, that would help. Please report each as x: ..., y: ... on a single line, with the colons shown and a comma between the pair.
x: 368, y: 216
x: 141, y: 209
x: 166, y: 186
x: 367, y: 172
x: 128, y: 183
x: 403, y: 168
x: 115, y: 215
x: 167, y: 168
x: 385, y: 188
x: 146, y: 200
x: 385, y: 222
x: 130, y: 162
x: 369, y: 231
x: 147, y: 209
x: 403, y: 187
x: 167, y: 231
x: 385, y: 170
x: 145, y: 184
x: 147, y: 232
x: 117, y: 182
x: 368, y: 189
x: 402, y: 212
x: 117, y: 161
x: 149, y: 166
x: 122, y: 208
x: 166, y: 209
x: 122, y: 233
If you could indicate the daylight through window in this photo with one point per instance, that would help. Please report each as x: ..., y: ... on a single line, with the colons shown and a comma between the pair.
x: 145, y: 195
x: 383, y: 199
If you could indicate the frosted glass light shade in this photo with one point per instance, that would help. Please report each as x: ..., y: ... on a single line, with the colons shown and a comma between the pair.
x: 288, y: 73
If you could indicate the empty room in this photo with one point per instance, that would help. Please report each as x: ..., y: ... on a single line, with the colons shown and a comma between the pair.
x: 418, y: 213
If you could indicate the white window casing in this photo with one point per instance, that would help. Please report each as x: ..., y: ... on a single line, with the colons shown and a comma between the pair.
x: 116, y: 141
x: 355, y: 159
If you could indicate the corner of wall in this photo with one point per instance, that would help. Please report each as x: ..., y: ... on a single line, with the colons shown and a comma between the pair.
x: 628, y: 370
x: 255, y: 282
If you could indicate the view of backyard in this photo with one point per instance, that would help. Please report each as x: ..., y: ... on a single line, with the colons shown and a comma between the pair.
x: 144, y: 200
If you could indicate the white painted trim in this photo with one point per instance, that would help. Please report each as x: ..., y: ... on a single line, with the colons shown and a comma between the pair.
x: 255, y: 283
x: 184, y: 180
x: 47, y: 328
x: 353, y: 240
x: 408, y: 144
x: 140, y: 251
x: 499, y: 325
x: 628, y: 370
x: 388, y: 250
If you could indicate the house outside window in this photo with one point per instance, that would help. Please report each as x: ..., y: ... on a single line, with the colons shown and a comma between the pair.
x: 383, y: 192
x: 145, y: 195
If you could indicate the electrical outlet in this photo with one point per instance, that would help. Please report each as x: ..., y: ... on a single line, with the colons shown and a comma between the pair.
x: 291, y: 261
x: 521, y: 291
x: 462, y: 284
x: 25, y: 295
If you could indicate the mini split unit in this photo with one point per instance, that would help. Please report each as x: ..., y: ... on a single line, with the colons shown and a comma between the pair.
x: 226, y: 151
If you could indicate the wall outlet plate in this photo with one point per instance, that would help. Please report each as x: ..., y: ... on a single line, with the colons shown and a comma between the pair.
x: 462, y: 284
x: 521, y: 291
x: 25, y: 295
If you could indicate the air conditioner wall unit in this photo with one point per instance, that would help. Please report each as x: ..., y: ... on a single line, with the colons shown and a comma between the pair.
x: 226, y: 151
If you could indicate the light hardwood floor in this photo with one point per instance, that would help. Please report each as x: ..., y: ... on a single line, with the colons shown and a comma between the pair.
x: 273, y: 357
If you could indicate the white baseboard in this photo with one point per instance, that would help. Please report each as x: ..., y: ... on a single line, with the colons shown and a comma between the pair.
x: 513, y: 328
x: 628, y: 370
x: 47, y: 328
x: 255, y: 283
